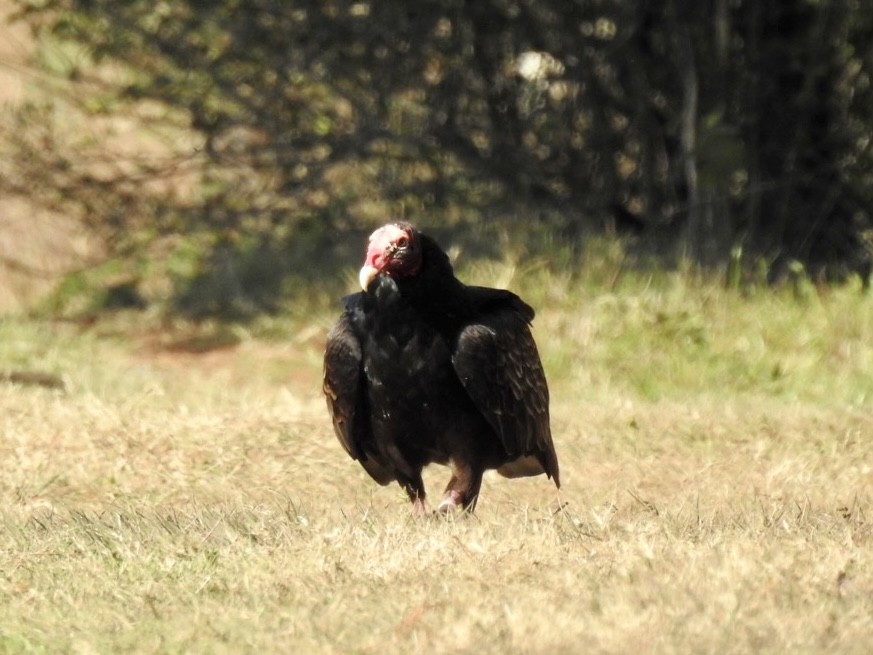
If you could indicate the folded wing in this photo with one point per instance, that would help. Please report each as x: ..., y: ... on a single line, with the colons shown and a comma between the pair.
x: 497, y: 361
x: 346, y: 398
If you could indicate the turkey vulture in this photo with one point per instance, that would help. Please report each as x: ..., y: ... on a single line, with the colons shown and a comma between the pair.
x: 421, y: 369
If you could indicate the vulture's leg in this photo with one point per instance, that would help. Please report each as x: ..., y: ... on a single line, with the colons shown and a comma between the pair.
x: 462, y: 491
x: 415, y: 490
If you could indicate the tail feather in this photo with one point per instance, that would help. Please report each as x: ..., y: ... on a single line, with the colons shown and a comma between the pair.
x: 522, y: 467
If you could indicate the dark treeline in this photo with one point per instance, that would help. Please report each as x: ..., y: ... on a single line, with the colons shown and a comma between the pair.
x: 708, y: 128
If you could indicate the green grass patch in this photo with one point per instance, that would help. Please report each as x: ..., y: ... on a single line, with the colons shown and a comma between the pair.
x: 186, y: 493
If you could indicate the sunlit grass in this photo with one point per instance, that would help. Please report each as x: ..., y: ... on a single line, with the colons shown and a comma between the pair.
x: 186, y: 493
x: 663, y: 334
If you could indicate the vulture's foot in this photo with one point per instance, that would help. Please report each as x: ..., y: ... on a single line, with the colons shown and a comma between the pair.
x: 419, y: 509
x: 453, y: 500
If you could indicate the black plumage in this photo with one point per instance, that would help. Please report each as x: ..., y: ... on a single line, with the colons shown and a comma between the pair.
x: 421, y: 369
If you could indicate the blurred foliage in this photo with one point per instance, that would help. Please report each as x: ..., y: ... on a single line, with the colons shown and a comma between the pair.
x: 245, y: 147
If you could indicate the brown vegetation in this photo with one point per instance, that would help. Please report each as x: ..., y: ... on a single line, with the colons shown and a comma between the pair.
x: 200, y: 502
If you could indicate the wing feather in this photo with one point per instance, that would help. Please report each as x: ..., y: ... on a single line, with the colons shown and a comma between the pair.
x: 498, y: 364
x: 346, y: 398
x: 342, y: 378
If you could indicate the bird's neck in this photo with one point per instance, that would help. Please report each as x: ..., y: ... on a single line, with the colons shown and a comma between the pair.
x: 441, y: 299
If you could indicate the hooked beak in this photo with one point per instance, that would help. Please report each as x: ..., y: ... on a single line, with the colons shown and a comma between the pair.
x: 367, y: 275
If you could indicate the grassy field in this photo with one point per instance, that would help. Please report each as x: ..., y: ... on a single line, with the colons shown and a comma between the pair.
x: 716, y: 453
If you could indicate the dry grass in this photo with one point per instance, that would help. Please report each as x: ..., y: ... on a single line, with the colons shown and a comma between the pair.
x: 716, y: 453
x: 199, y: 503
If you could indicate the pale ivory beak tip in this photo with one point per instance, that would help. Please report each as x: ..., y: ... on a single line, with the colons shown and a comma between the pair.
x: 367, y: 275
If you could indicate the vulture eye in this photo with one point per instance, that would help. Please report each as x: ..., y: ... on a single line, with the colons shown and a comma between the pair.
x: 402, y: 242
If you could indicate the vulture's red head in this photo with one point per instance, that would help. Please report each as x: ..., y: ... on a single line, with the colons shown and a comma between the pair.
x: 394, y: 250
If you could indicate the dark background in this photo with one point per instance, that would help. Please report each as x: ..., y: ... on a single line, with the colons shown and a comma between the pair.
x: 725, y: 132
